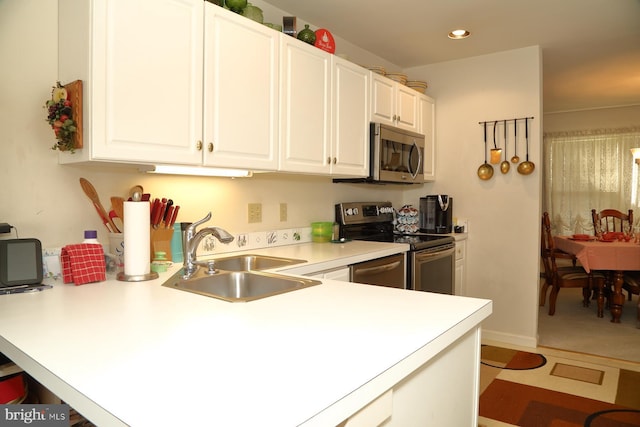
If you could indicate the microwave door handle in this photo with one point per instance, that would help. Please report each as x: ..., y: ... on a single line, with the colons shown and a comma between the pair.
x: 378, y: 269
x: 415, y: 147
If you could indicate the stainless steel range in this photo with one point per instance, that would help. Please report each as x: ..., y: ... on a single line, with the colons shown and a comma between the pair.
x: 431, y: 258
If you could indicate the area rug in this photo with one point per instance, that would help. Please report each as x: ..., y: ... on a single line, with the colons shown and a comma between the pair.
x: 531, y: 389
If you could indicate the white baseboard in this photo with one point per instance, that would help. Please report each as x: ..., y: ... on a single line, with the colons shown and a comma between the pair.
x: 518, y: 340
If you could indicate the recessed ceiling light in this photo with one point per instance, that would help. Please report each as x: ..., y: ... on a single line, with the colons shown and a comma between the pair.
x: 459, y: 34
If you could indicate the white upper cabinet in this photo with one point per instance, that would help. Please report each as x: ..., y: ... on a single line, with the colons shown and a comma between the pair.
x: 305, y: 107
x: 240, y: 92
x: 427, y: 128
x: 160, y: 86
x: 323, y: 112
x: 141, y: 65
x: 350, y: 106
x: 187, y: 82
x: 393, y: 103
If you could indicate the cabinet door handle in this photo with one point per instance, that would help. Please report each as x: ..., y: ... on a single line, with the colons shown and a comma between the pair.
x: 210, y: 147
x: 395, y: 117
x: 328, y: 160
x: 335, y: 160
x: 199, y: 145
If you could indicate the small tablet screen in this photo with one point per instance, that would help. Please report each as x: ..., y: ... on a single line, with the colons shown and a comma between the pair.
x: 20, y: 262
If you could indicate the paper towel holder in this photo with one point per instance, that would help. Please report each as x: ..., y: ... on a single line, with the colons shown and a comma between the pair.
x: 136, y: 277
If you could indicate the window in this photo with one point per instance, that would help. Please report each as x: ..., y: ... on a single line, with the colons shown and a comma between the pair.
x: 589, y: 170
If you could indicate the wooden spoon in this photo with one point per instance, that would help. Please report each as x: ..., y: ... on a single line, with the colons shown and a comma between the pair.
x: 92, y: 194
x: 117, y: 204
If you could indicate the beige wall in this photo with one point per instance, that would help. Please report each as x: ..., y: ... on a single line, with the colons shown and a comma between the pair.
x: 603, y: 118
x: 504, y: 212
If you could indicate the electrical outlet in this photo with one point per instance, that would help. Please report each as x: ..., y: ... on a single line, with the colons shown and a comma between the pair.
x: 283, y: 212
x: 255, y: 212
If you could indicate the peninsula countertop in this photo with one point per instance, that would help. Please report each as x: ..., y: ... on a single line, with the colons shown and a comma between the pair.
x: 142, y: 354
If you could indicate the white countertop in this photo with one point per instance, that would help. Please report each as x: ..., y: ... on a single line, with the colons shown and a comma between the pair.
x: 142, y: 354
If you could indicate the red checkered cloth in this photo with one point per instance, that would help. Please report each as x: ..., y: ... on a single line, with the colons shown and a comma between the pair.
x: 83, y: 263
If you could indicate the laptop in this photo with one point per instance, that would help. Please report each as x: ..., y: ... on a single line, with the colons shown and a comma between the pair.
x: 21, y: 266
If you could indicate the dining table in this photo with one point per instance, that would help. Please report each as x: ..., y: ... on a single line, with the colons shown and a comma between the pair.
x: 615, y: 256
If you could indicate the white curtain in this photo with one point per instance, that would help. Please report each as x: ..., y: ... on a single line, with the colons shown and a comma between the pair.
x: 586, y: 170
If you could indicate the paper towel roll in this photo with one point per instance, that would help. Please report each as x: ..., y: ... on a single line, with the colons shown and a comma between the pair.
x: 137, y: 237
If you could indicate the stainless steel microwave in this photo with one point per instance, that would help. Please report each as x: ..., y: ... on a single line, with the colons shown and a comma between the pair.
x: 396, y: 156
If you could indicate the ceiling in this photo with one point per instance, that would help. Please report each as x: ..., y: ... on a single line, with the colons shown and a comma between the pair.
x: 591, y: 48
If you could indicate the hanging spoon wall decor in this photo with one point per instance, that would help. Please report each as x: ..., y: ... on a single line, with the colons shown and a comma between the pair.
x: 526, y: 167
x: 505, y: 166
x: 485, y: 171
x: 496, y: 153
x: 515, y: 159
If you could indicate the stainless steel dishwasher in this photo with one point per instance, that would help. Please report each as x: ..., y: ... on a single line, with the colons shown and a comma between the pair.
x: 388, y: 271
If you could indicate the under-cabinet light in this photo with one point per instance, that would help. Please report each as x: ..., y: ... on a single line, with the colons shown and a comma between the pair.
x: 198, y: 171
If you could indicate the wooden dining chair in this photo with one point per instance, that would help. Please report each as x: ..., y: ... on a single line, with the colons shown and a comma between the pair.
x: 632, y: 285
x: 611, y: 220
x: 563, y: 277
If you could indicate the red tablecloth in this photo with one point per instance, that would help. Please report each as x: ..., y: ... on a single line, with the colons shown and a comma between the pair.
x: 615, y: 256
x: 596, y: 255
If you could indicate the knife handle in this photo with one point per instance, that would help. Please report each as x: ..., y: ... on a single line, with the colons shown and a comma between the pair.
x: 167, y: 216
x: 174, y: 215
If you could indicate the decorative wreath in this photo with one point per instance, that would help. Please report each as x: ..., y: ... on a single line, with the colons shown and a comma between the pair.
x: 59, y: 109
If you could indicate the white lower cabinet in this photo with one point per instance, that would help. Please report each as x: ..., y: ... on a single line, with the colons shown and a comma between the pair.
x: 460, y: 270
x: 444, y: 391
x: 374, y: 414
x: 341, y: 273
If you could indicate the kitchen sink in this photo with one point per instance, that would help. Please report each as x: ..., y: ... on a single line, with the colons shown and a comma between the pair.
x: 253, y: 262
x: 238, y: 286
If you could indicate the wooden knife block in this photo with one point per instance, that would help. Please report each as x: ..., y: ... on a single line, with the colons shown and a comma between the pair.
x: 161, y: 241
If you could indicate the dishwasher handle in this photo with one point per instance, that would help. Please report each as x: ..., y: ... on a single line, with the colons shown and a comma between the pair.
x: 378, y: 268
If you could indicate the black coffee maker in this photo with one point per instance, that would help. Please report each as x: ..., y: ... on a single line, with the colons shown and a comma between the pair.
x: 436, y: 214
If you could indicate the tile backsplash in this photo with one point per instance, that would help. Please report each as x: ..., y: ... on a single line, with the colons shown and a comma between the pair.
x: 208, y: 246
x: 256, y: 240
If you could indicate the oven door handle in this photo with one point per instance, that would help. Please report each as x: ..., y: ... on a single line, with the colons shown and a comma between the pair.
x: 378, y: 269
x: 421, y: 256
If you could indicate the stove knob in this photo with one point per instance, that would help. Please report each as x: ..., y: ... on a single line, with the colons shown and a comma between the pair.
x: 355, y: 211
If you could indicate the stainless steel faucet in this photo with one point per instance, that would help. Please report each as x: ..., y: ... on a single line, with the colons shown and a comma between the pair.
x: 193, y: 239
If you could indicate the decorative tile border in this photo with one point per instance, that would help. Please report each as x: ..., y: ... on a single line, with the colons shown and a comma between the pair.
x: 208, y: 247
x: 256, y: 240
x: 51, y: 263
